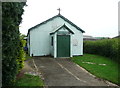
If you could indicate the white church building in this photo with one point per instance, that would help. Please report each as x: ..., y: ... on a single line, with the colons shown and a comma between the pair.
x: 57, y: 37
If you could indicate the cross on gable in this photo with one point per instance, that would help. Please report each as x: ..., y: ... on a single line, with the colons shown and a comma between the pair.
x: 59, y: 10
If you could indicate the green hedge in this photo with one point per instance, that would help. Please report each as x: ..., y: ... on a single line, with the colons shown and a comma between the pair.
x: 21, y: 57
x: 11, y: 49
x: 105, y: 47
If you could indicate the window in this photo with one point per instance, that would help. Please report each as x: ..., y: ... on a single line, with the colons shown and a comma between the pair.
x: 52, y: 40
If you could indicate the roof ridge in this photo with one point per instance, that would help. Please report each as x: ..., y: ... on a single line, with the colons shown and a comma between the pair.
x: 71, y: 23
x: 44, y: 21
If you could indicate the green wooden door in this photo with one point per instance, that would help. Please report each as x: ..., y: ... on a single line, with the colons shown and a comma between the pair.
x: 63, y: 45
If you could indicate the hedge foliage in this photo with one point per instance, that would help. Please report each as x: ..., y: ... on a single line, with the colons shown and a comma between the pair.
x: 105, y: 47
x: 11, y: 49
x: 20, y: 60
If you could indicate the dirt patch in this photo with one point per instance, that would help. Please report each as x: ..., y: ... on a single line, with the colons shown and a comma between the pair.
x: 26, y: 69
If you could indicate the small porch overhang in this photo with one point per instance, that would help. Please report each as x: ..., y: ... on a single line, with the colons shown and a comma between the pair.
x: 59, y: 27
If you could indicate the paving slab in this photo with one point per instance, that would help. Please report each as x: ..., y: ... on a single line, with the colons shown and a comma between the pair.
x: 63, y: 72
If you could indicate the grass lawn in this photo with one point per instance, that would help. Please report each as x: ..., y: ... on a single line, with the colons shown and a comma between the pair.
x: 100, y: 66
x: 29, y: 80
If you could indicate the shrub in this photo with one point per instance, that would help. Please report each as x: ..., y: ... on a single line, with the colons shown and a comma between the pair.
x: 11, y: 18
x: 22, y: 54
x: 105, y: 47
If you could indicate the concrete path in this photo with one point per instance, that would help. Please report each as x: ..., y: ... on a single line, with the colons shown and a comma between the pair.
x: 63, y: 72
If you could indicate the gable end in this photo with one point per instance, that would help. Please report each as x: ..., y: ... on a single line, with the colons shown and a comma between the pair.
x: 59, y: 15
x: 72, y: 23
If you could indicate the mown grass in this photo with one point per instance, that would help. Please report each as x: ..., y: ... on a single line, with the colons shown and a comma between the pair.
x: 29, y: 81
x: 108, y: 72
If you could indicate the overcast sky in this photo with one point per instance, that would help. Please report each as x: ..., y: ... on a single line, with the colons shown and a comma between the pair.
x: 95, y: 17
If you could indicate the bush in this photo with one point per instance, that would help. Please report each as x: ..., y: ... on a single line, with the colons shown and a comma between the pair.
x: 11, y: 49
x: 22, y: 54
x: 105, y: 47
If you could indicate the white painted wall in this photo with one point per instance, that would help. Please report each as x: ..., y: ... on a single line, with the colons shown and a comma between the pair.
x: 40, y: 38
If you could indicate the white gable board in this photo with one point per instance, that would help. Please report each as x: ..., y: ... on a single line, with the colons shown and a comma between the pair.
x: 40, y: 39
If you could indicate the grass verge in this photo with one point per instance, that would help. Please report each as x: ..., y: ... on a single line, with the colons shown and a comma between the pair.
x: 99, y: 66
x: 28, y: 57
x: 29, y: 80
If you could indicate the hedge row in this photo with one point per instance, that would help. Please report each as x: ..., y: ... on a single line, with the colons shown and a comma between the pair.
x: 105, y: 47
x: 11, y: 43
x: 21, y: 57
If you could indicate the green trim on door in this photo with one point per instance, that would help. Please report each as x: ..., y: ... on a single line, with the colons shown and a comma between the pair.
x: 63, y: 45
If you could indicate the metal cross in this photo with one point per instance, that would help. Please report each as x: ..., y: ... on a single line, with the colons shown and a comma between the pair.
x: 59, y: 10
